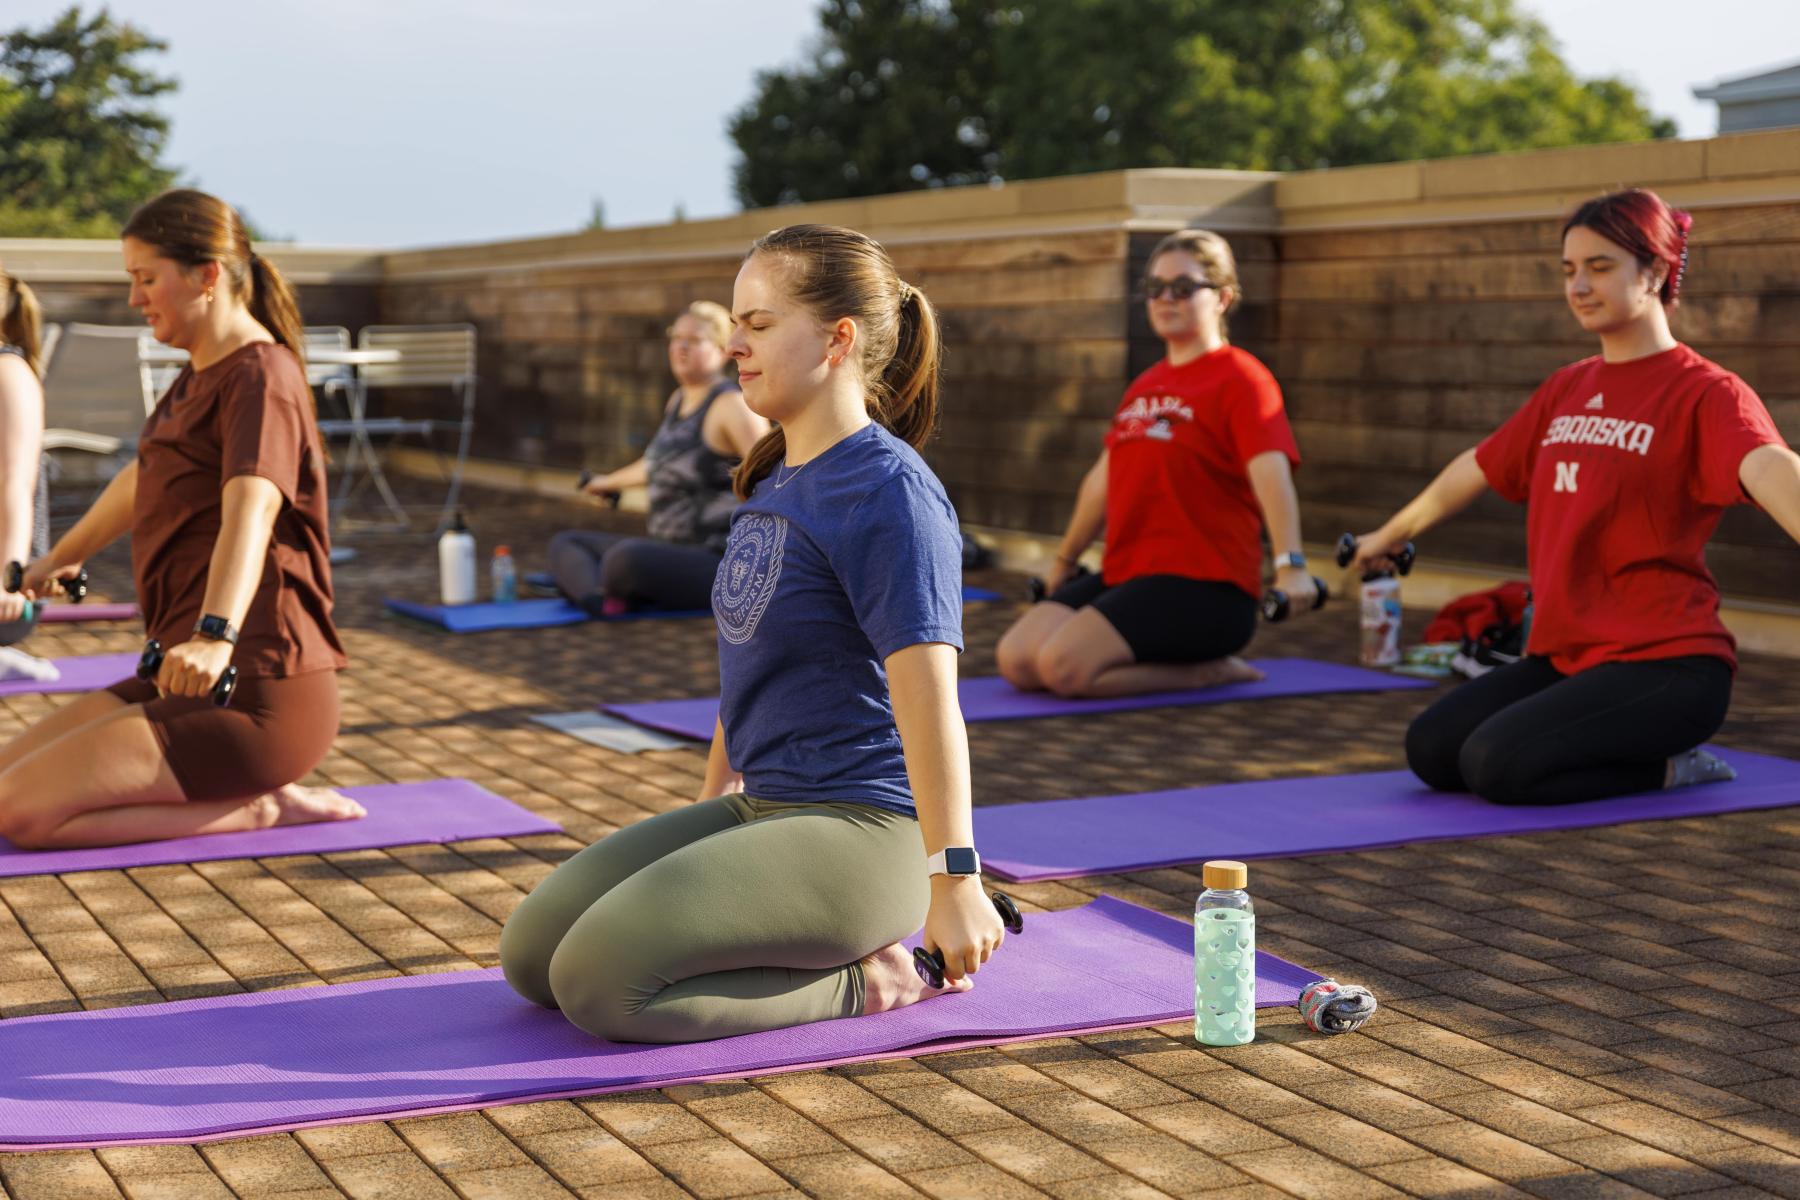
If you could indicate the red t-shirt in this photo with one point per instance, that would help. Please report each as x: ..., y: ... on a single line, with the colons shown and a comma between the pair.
x: 1178, y: 501
x: 1626, y: 469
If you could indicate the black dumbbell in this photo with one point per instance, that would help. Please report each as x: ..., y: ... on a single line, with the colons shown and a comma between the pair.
x: 1275, y: 601
x: 75, y: 589
x: 1346, y: 551
x: 1039, y: 592
x: 152, y: 660
x: 612, y: 498
x: 930, y: 963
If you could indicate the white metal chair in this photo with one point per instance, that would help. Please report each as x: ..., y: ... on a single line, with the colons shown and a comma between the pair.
x: 93, y: 390
x: 429, y: 357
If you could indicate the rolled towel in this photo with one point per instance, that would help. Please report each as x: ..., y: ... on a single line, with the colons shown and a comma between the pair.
x: 16, y: 664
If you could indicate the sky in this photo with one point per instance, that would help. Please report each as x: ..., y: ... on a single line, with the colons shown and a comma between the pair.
x: 423, y: 122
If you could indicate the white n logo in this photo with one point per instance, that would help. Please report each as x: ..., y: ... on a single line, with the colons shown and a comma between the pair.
x: 1565, y: 476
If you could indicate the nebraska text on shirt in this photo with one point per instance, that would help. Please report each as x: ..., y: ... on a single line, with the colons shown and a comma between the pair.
x: 1600, y: 431
x: 1148, y: 408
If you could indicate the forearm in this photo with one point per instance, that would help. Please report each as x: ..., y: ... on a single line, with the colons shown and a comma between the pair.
x: 1455, y: 488
x: 1090, y: 514
x: 922, y: 683
x: 632, y: 474
x: 1273, y: 482
x: 720, y: 778
x: 1771, y: 474
x: 250, y: 505
x: 104, y: 521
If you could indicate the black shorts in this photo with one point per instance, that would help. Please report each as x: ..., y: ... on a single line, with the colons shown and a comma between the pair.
x: 1169, y: 618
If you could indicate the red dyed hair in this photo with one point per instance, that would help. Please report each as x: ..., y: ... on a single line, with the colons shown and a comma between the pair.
x: 1639, y: 220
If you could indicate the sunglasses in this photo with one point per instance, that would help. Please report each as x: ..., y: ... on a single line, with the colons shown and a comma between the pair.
x: 1182, y: 287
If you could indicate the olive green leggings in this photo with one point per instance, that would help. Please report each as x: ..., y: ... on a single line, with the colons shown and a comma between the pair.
x: 729, y: 916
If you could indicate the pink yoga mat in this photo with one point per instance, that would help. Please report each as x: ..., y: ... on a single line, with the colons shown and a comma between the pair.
x: 1061, y: 839
x: 88, y: 673
x: 990, y: 698
x: 400, y: 814
x: 86, y: 612
x: 218, y: 1067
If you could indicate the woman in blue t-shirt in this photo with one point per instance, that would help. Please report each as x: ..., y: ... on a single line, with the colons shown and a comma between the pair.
x: 835, y: 814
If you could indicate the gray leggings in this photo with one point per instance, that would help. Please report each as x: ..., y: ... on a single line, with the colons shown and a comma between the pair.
x: 729, y: 916
x: 642, y: 571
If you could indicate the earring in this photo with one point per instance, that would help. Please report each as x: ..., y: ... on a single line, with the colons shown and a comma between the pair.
x: 209, y: 295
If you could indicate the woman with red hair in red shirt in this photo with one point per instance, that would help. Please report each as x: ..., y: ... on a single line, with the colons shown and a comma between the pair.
x: 1626, y: 461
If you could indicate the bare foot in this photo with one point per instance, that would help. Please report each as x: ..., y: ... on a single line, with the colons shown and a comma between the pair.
x: 889, y: 981
x: 1226, y: 670
x: 297, y: 805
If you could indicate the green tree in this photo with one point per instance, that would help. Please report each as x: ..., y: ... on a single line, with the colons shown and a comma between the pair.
x: 81, y: 138
x: 919, y: 93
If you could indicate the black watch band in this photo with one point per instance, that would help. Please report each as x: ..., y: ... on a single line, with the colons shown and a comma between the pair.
x: 215, y: 629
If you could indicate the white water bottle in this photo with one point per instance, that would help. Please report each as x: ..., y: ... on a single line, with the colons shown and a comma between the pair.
x: 456, y: 564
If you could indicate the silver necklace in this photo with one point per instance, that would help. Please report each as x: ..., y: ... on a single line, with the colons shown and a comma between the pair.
x: 780, y: 482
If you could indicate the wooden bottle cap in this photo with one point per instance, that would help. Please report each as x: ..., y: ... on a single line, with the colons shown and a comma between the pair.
x: 1223, y: 873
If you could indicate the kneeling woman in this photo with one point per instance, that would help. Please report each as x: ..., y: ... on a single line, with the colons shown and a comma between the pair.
x: 24, y: 519
x: 1198, y: 458
x: 225, y: 504
x: 1626, y: 461
x: 706, y: 429
x: 839, y: 771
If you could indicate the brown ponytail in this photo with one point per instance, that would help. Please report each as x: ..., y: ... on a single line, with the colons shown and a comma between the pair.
x: 834, y: 272
x: 193, y: 229
x: 21, y: 321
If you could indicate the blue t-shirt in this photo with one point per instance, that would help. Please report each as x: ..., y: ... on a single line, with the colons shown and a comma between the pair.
x: 852, y: 557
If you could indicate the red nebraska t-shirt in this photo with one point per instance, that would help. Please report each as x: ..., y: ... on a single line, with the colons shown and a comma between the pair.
x: 1177, y: 499
x: 1626, y: 469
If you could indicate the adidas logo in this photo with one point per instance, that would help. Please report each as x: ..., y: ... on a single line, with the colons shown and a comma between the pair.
x: 1596, y: 403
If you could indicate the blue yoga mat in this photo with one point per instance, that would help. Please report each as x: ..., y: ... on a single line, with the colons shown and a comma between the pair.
x: 990, y: 698
x: 542, y: 614
x: 1061, y: 839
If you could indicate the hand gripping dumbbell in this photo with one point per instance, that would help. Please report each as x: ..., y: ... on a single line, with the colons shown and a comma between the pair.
x: 1275, y: 601
x: 152, y: 662
x: 75, y: 589
x: 1040, y: 592
x: 1346, y: 553
x: 612, y: 498
x: 930, y: 963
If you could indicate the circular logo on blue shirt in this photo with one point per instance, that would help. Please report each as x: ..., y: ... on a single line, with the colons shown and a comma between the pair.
x: 748, y: 574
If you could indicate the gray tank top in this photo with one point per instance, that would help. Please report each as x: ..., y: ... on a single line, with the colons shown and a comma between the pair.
x: 691, y: 501
x: 40, y: 517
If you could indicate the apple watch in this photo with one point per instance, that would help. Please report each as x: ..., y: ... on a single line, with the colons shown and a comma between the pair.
x: 1292, y: 558
x: 216, y: 629
x: 954, y: 860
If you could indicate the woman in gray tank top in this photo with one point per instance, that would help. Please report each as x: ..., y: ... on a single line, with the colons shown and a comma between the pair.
x: 687, y: 468
x: 24, y: 507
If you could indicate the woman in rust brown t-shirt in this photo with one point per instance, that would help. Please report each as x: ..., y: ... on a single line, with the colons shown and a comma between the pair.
x: 226, y: 509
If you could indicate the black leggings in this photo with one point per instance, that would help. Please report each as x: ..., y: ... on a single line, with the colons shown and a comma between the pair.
x: 1528, y: 734
x: 643, y: 572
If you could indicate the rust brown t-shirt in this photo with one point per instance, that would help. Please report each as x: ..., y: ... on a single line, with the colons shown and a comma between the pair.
x: 250, y: 413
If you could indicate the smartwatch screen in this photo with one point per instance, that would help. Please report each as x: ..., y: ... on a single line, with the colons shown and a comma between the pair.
x: 960, y: 860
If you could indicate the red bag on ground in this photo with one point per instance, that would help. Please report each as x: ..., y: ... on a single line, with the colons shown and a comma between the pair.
x: 1468, y: 616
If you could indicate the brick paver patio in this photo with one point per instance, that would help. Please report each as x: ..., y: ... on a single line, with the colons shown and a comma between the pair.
x: 1604, y: 1013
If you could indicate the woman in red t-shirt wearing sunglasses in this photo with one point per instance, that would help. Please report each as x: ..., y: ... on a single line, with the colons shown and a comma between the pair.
x: 1626, y: 462
x: 1199, y: 456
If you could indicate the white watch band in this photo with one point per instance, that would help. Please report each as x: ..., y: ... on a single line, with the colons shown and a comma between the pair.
x: 937, y: 864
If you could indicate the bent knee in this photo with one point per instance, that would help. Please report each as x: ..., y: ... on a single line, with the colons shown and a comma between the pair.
x: 525, y: 955
x: 593, y: 996
x: 1491, y: 771
x: 1431, y: 757
x: 1064, y: 674
x: 1014, y: 660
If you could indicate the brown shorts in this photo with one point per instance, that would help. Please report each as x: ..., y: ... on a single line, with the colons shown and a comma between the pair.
x: 273, y: 732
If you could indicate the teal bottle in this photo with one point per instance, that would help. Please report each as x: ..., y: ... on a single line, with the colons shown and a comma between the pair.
x: 1224, y: 957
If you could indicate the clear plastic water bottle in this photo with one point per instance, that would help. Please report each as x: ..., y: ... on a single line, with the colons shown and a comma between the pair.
x: 1224, y: 957
x: 506, y: 576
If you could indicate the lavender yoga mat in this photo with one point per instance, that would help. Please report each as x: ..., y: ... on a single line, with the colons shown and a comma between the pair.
x: 226, y: 1065
x: 85, y: 674
x: 86, y: 612
x: 1060, y: 839
x: 400, y: 814
x: 991, y: 698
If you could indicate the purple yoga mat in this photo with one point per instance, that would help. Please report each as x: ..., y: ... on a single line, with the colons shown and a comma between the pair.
x: 1061, y: 839
x: 86, y: 612
x: 226, y: 1065
x: 991, y: 698
x: 89, y: 673
x: 400, y: 814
